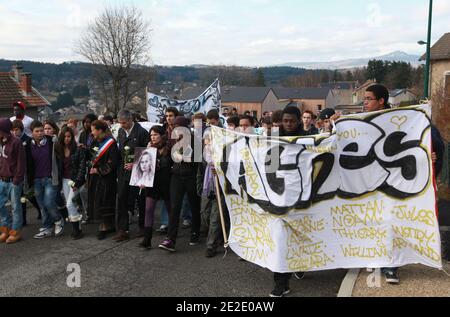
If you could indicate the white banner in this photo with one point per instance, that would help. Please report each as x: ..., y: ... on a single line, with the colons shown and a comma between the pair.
x: 361, y: 197
x: 208, y: 100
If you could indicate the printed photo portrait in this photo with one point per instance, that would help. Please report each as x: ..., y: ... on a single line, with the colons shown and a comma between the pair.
x: 144, y: 166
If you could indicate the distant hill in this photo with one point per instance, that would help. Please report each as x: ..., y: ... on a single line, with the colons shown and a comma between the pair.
x: 53, y: 76
x: 397, y: 56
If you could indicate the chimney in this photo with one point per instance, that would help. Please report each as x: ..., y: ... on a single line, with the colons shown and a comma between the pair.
x: 25, y: 83
x: 17, y: 70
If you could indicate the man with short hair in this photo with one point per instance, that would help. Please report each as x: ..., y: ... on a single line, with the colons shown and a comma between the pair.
x: 210, y: 214
x: 246, y: 124
x: 19, y: 114
x: 376, y: 98
x: 171, y: 114
x: 307, y: 127
x: 17, y: 130
x: 12, y: 171
x: 233, y: 123
x: 131, y: 136
x: 291, y: 122
x: 290, y: 127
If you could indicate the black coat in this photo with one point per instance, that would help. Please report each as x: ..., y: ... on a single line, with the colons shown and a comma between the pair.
x: 78, y: 166
x: 438, y: 148
x: 84, y: 136
x: 187, y: 169
x: 102, y: 187
x: 138, y: 138
x: 312, y: 131
x: 161, y: 185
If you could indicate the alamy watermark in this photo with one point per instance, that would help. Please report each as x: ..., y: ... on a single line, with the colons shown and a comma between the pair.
x: 74, y: 277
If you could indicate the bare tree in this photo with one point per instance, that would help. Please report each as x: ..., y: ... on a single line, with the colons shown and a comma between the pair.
x: 117, y: 43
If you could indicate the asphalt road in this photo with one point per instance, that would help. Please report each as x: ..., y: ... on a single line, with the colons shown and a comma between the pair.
x: 39, y: 268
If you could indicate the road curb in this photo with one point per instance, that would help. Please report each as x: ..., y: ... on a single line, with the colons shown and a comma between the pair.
x: 348, y: 283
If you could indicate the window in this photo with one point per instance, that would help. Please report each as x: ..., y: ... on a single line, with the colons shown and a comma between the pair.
x: 447, y: 85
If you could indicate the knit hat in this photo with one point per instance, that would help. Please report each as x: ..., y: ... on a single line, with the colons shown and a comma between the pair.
x: 5, y: 126
x: 181, y: 122
x: 20, y: 104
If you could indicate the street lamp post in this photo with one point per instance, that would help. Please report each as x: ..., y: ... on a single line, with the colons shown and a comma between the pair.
x: 427, y: 66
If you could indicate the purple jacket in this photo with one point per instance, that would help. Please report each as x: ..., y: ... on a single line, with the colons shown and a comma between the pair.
x: 12, y: 160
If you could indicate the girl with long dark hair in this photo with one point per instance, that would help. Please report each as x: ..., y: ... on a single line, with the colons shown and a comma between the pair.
x: 73, y: 169
x: 161, y: 187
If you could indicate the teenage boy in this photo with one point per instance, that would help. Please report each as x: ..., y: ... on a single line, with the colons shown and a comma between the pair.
x: 43, y: 174
x: 12, y: 171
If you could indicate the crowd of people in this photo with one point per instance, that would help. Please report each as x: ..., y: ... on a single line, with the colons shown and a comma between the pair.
x: 270, y: 122
x: 78, y: 176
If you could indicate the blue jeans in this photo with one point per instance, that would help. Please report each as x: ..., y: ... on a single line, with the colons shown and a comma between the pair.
x: 186, y: 213
x: 164, y: 214
x: 9, y: 191
x: 45, y: 194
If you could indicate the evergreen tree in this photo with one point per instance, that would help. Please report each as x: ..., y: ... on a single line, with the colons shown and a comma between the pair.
x: 376, y: 69
x: 260, y: 79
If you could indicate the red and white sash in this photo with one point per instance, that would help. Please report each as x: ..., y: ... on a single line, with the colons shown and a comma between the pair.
x: 103, y: 150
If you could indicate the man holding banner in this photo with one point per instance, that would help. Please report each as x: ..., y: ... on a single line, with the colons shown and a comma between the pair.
x: 362, y: 196
x: 376, y: 99
x: 291, y: 126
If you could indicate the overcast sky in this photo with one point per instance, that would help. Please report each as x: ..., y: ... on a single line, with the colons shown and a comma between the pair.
x: 230, y: 32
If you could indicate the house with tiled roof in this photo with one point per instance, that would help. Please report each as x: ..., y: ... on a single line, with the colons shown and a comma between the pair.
x: 257, y: 100
x: 312, y: 99
x: 342, y: 91
x: 17, y: 86
x: 399, y: 97
x: 440, y: 84
x: 440, y: 66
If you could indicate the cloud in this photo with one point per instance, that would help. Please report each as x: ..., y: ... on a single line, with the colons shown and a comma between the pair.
x: 251, y: 33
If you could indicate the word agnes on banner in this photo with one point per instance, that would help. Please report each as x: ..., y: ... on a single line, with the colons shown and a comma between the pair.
x: 387, y: 152
x: 208, y: 100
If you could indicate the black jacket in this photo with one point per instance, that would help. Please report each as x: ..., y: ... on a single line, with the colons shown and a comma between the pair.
x: 138, y: 138
x: 438, y: 148
x: 187, y: 169
x: 78, y: 165
x: 84, y: 136
x: 312, y: 131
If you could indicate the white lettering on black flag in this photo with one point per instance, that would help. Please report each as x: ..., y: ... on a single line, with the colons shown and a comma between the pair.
x: 361, y: 197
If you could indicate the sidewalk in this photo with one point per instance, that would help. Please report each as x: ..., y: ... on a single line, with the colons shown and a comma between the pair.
x: 415, y: 281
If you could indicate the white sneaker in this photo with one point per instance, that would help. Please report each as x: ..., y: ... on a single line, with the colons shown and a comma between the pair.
x: 59, y: 228
x: 43, y: 233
